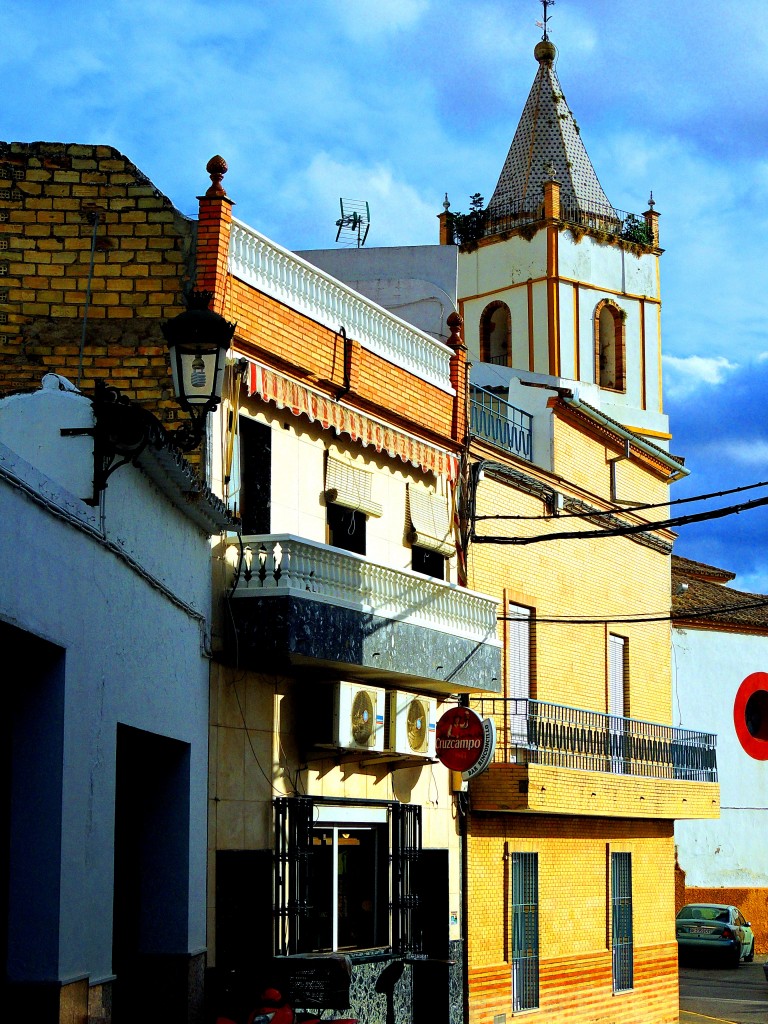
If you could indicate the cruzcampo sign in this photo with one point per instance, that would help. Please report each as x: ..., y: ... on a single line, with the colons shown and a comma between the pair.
x: 465, y: 742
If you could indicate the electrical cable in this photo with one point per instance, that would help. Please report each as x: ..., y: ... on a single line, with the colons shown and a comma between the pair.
x: 624, y: 531
x: 631, y: 508
x: 695, y: 613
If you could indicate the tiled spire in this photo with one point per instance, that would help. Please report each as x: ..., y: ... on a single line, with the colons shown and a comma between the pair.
x: 547, y: 144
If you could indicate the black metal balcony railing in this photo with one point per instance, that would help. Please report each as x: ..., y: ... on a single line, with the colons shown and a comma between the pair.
x: 534, y: 732
x: 617, y: 223
x: 504, y: 425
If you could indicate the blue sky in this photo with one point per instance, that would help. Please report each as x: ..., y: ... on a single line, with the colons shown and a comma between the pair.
x: 401, y: 101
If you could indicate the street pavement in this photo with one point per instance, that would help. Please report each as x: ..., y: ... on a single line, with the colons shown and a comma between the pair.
x: 727, y: 996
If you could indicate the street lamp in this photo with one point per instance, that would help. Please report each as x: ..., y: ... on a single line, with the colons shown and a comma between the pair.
x: 198, y: 340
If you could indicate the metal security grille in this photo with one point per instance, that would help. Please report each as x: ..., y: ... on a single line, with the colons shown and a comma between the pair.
x: 406, y: 905
x: 621, y: 921
x: 525, y: 931
x: 293, y: 850
x: 301, y: 888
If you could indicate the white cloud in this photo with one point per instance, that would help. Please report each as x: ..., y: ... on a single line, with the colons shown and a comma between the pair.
x: 398, y: 213
x: 687, y: 374
x: 364, y: 20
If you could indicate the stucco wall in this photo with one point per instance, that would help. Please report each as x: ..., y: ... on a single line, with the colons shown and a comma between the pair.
x: 725, y: 860
x: 90, y: 582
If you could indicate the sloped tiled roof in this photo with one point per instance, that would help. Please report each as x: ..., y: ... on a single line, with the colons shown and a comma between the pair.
x: 547, y: 139
x: 708, y: 604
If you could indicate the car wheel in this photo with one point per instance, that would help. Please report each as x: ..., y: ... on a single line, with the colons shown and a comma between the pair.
x: 734, y: 959
x: 751, y: 955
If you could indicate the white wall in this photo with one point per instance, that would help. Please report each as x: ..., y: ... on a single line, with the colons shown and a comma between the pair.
x: 93, y: 584
x: 708, y: 668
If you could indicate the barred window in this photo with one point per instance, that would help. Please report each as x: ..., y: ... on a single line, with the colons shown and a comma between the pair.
x: 525, y: 931
x: 335, y: 867
x: 621, y: 922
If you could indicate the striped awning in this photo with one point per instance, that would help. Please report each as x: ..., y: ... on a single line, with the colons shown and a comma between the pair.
x: 319, y: 408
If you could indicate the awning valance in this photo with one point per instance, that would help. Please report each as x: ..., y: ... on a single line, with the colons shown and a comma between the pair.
x: 320, y: 408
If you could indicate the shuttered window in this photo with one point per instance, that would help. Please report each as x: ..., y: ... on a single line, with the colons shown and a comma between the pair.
x: 518, y: 671
x: 617, y: 700
x: 429, y: 521
x: 351, y: 486
x: 525, y: 931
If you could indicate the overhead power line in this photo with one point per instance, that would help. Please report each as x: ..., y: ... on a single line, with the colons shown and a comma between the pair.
x: 589, y: 620
x: 624, y: 531
x: 631, y: 508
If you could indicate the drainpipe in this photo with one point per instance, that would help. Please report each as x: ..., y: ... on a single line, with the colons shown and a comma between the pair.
x: 677, y: 471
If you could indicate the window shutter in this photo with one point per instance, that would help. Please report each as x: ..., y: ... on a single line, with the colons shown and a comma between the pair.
x: 406, y: 906
x: 518, y: 670
x: 430, y: 521
x: 294, y: 818
x: 616, y: 676
x: 351, y: 486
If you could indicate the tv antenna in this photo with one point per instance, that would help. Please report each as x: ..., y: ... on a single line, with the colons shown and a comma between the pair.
x: 354, y: 222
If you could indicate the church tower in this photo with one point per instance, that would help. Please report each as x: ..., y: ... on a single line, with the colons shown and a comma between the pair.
x: 556, y: 286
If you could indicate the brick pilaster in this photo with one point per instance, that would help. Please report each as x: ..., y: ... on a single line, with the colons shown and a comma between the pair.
x: 213, y: 231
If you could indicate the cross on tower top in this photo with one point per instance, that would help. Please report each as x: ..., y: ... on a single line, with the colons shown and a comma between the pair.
x: 543, y: 24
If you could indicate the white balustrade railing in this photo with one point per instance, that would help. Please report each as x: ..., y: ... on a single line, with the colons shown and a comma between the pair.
x: 281, y: 564
x: 309, y: 290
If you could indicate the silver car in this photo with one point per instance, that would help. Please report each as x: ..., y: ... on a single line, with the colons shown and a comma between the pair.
x: 717, y: 928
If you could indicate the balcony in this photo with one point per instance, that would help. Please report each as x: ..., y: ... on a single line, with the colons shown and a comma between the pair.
x: 291, y: 280
x: 300, y: 603
x: 505, y: 426
x: 563, y: 760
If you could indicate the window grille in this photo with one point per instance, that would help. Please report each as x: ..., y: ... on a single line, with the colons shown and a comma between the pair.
x: 302, y: 888
x: 525, y: 931
x: 621, y: 921
x: 406, y: 905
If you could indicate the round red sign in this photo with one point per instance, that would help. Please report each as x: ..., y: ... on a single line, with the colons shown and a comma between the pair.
x: 460, y: 738
x: 750, y: 715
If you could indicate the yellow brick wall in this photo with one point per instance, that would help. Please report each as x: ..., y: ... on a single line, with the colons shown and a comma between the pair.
x: 574, y: 917
x: 143, y: 256
x: 596, y: 577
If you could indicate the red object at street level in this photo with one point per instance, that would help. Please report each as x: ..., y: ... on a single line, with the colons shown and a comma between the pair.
x: 460, y: 739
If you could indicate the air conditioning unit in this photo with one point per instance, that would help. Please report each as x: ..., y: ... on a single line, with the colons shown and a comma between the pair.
x: 412, y: 723
x: 358, y: 717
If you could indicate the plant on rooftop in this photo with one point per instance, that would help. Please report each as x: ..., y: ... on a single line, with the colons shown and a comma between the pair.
x: 636, y: 230
x: 469, y: 228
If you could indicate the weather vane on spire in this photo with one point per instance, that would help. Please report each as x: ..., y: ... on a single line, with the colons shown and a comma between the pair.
x: 543, y: 24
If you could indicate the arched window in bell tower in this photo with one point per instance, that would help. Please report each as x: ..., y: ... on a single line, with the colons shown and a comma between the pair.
x: 609, y: 346
x: 496, y: 334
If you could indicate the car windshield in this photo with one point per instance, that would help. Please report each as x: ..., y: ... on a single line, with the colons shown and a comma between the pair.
x: 704, y: 913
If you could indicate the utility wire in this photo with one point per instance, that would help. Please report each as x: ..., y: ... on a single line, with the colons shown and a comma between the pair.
x: 631, y: 508
x: 694, y: 613
x: 624, y: 531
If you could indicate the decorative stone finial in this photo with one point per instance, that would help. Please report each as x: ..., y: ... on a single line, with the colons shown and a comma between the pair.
x: 651, y: 202
x: 446, y: 204
x: 217, y: 168
x: 455, y: 324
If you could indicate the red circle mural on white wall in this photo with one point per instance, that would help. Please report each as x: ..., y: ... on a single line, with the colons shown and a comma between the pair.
x: 750, y: 715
